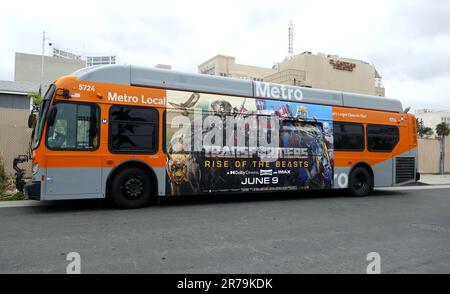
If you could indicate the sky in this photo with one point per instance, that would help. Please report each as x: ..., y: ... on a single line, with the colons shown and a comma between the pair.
x: 407, y: 40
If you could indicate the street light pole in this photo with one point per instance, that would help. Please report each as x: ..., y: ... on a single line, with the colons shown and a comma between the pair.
x: 42, y: 62
x: 442, y: 157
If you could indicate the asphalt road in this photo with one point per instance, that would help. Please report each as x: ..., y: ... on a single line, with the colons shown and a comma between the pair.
x: 325, y: 232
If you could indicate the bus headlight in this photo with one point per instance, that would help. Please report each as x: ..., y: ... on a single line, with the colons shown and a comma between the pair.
x: 35, y: 168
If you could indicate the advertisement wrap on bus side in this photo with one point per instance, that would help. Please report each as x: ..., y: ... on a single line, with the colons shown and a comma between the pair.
x: 223, y: 144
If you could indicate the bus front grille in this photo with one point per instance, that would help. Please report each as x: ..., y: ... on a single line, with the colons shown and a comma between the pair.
x: 404, y: 169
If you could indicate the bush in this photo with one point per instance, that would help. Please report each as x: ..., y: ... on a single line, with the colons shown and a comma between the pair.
x: 3, y: 178
x: 12, y: 196
x: 6, y: 191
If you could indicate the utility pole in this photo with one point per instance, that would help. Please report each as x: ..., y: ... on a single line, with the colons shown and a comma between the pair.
x: 42, y: 63
x: 442, y: 155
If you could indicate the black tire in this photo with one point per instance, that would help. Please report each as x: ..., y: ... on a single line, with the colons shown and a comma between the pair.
x: 132, y: 188
x: 360, y: 182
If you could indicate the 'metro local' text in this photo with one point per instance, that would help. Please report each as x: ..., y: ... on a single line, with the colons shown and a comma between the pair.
x: 114, y: 97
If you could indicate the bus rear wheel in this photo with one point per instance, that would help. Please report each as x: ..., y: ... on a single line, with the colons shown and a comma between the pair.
x: 132, y: 188
x: 360, y: 182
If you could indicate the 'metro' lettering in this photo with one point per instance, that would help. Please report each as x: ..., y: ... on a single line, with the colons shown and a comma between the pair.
x: 266, y: 90
x: 122, y: 98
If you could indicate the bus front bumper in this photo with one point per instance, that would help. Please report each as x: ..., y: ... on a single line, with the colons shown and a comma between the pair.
x: 33, y: 190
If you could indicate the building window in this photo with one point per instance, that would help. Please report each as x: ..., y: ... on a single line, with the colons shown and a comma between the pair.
x: 348, y: 136
x: 382, y: 138
x: 133, y: 129
x: 209, y: 71
x: 99, y: 60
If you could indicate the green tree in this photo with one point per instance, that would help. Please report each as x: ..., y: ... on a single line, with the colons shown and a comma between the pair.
x: 37, y: 99
x: 3, y: 177
x: 442, y: 130
x: 422, y: 130
x: 428, y: 131
x: 419, y: 124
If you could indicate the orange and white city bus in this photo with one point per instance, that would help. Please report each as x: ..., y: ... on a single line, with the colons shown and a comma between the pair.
x: 133, y: 134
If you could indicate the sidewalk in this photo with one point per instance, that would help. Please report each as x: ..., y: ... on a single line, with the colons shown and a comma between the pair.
x: 432, y: 179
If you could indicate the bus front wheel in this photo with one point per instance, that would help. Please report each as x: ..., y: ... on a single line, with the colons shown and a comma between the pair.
x: 131, y: 188
x: 360, y: 182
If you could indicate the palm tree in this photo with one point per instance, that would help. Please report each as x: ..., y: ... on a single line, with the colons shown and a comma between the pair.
x: 442, y: 130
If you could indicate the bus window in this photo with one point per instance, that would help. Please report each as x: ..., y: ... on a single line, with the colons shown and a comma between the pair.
x: 348, y: 136
x: 76, y: 127
x: 133, y: 129
x: 382, y: 138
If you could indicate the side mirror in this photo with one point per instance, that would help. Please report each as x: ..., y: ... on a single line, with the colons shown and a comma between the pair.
x: 31, y: 120
x: 63, y: 92
x: 52, y: 116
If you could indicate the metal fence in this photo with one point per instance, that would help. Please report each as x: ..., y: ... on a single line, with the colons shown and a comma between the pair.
x: 429, y: 155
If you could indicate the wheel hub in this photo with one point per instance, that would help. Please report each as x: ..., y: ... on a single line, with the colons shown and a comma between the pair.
x: 133, y: 188
x: 360, y: 181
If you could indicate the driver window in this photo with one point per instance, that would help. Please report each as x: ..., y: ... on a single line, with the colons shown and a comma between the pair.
x: 76, y: 127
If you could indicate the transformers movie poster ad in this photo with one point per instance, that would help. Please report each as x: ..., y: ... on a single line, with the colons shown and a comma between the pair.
x: 218, y: 143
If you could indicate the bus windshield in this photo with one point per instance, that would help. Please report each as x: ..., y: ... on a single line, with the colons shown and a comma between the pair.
x: 43, y: 109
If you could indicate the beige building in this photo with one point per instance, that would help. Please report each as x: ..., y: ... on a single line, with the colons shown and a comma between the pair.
x: 308, y: 70
x: 28, y: 68
x: 328, y: 72
x: 226, y: 66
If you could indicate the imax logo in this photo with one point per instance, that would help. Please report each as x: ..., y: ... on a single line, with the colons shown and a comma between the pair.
x: 277, y: 91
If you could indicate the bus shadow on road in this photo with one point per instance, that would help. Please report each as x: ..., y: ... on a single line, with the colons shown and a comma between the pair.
x: 266, y: 197
x: 197, y: 200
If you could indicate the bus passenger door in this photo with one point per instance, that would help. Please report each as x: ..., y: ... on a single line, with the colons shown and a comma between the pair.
x: 73, y: 161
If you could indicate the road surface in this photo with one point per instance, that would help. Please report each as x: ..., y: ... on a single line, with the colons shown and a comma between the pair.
x: 314, y: 232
